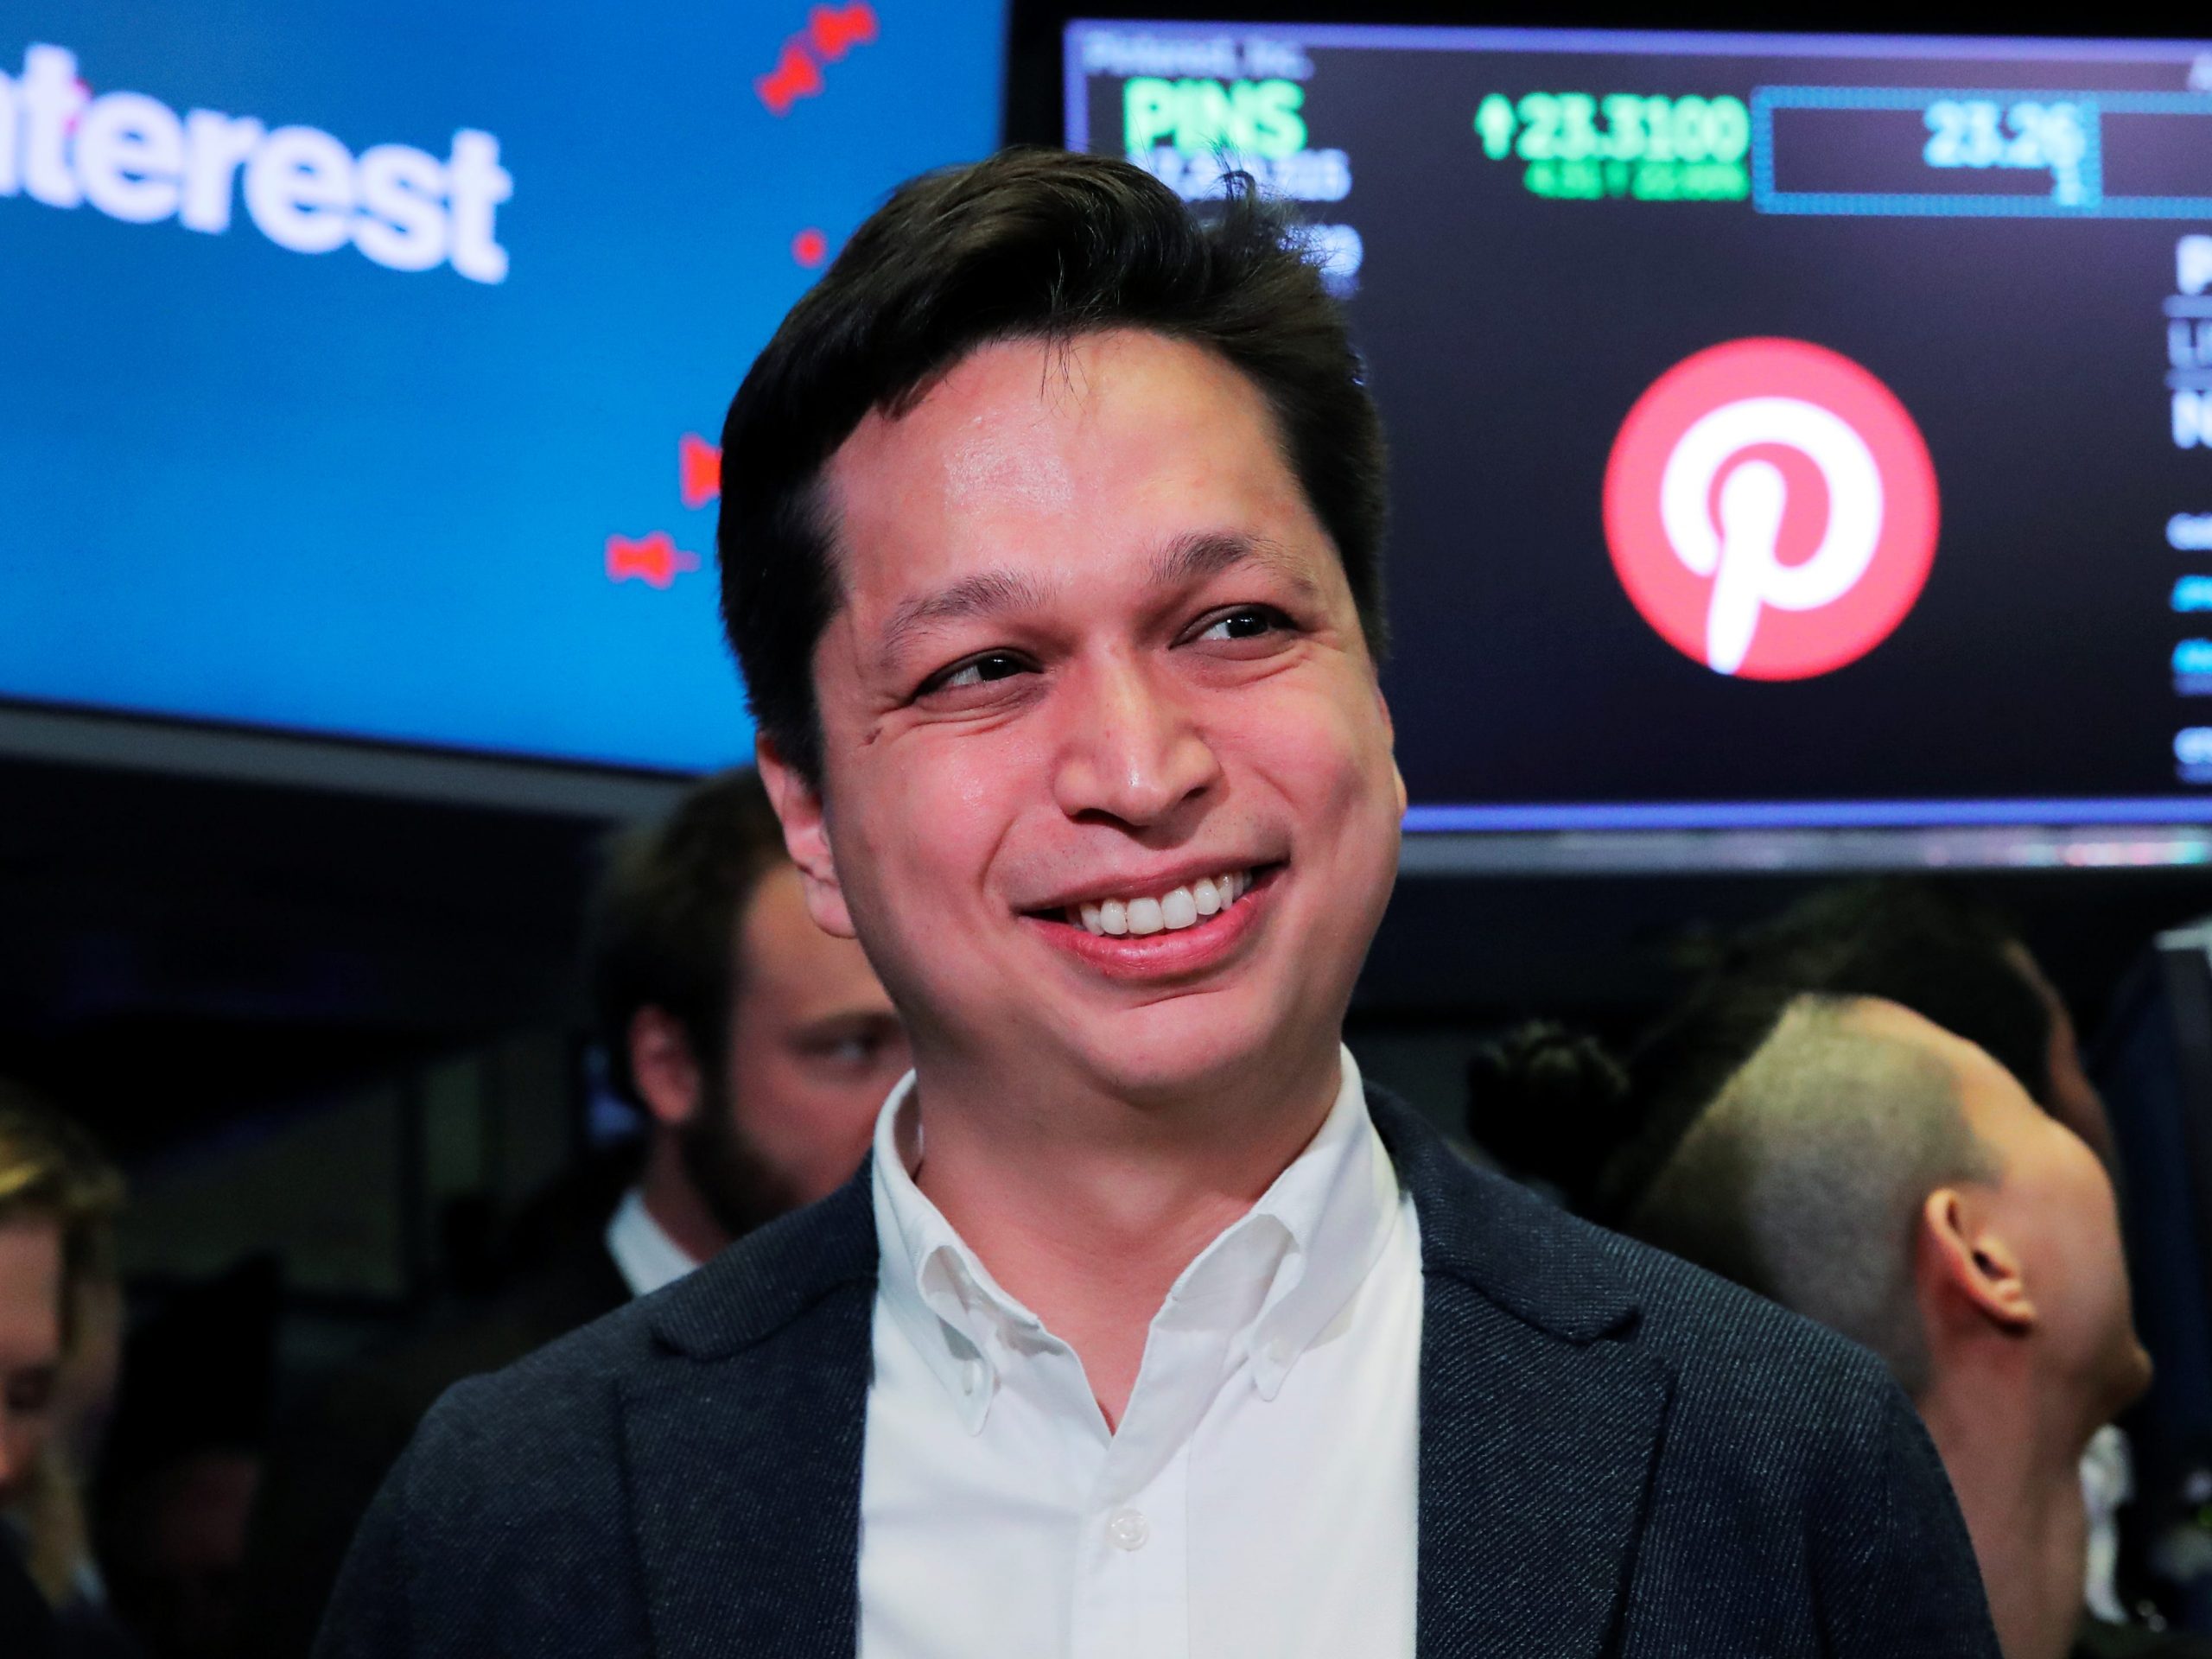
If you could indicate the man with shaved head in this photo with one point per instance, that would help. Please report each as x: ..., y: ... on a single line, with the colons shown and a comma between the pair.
x: 1868, y: 1169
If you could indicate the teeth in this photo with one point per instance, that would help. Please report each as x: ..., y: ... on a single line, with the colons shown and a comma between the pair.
x: 1170, y: 911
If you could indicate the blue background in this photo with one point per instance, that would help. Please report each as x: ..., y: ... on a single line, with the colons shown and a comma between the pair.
x: 250, y: 485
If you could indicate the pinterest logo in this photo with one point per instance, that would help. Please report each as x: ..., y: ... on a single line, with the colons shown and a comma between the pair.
x: 1772, y: 509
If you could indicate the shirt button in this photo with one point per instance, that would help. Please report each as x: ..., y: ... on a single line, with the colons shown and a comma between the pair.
x: 1277, y: 1353
x: 1127, y: 1530
x: 971, y: 1376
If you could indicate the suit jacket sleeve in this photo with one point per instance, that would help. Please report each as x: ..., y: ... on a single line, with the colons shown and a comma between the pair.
x: 1917, y: 1590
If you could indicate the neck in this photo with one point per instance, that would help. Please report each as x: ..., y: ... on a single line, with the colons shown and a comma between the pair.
x: 1087, y: 1206
x: 2015, y: 1460
x: 674, y: 1202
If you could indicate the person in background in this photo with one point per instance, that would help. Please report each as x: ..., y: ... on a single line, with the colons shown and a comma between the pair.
x: 755, y: 1046
x: 1881, y: 1175
x: 1051, y: 537
x: 58, y: 1326
x: 1936, y: 949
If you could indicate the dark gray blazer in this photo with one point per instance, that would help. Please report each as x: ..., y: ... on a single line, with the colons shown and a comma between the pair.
x: 1620, y: 1455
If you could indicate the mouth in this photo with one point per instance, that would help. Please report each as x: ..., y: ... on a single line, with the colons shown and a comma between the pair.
x: 1139, y: 915
x: 1162, y: 933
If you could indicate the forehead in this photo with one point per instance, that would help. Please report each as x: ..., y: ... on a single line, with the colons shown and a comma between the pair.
x: 2006, y: 1118
x: 1059, y: 453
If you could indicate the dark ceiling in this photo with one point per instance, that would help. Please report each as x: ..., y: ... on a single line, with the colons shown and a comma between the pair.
x: 175, y: 952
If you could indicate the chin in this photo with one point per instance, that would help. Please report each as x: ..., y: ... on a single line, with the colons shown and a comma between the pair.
x: 2126, y: 1376
x: 1197, y: 1041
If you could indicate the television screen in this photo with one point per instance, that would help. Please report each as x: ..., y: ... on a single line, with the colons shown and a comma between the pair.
x: 1786, y: 430
x: 364, y: 363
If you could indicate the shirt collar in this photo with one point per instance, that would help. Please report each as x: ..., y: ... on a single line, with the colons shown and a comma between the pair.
x: 644, y: 1254
x: 1298, y: 1255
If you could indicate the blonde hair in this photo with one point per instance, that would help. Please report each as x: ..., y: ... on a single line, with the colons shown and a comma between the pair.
x: 51, y: 1168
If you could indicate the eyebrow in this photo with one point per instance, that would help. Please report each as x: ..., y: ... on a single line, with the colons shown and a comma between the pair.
x: 1209, y: 552
x: 989, y: 593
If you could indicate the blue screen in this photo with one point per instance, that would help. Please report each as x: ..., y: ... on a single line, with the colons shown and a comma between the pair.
x: 364, y: 363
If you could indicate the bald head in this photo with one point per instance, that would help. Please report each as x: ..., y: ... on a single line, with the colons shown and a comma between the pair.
x: 1805, y: 1178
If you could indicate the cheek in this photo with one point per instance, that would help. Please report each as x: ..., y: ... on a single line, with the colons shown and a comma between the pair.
x: 2088, y: 1254
x: 1327, y: 752
x: 936, y: 814
x: 771, y: 1095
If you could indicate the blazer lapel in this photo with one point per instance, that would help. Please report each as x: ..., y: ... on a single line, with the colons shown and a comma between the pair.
x: 1534, y: 1459
x: 743, y: 1445
x: 1539, y: 1425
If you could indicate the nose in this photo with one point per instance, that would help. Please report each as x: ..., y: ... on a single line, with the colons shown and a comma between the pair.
x: 1133, y: 750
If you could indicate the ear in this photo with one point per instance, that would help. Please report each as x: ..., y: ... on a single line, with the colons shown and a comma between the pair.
x: 1972, y: 1262
x: 665, y: 1067
x: 806, y: 837
x: 1391, y: 731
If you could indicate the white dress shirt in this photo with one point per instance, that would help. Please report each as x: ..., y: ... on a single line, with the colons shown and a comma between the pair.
x: 644, y: 1254
x: 1259, y: 1496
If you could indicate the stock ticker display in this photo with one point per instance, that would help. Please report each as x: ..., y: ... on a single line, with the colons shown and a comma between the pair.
x: 1786, y: 430
x: 364, y: 363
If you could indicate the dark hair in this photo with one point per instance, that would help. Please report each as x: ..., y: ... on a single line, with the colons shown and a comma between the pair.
x: 1030, y: 243
x: 663, y: 931
x: 1537, y: 1098
x: 1555, y: 1104
x: 1939, y: 951
x: 1949, y: 958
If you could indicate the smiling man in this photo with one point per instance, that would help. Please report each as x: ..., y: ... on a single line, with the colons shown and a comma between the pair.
x: 1050, y: 545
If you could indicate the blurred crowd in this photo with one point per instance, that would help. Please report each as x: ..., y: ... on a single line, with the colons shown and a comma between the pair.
x: 1873, y: 1109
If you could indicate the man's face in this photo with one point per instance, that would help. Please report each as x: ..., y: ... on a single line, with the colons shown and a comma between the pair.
x: 814, y: 1047
x: 30, y: 1342
x: 1096, y: 648
x: 2053, y: 1206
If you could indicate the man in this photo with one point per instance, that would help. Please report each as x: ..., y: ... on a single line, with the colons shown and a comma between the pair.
x: 1050, y: 541
x: 1873, y: 1172
x: 757, y: 1048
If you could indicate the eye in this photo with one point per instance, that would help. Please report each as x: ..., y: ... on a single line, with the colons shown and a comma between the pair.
x: 1245, y: 622
x: 850, y: 1051
x: 976, y: 671
x: 854, y: 1050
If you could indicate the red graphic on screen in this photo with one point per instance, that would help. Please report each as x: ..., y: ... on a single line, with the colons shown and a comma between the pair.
x: 1772, y: 509
x: 698, y: 469
x: 836, y: 30
x: 654, y: 560
x: 831, y: 31
x: 795, y: 76
x: 811, y: 247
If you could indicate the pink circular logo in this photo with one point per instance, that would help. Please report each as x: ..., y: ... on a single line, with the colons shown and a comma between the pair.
x: 1772, y: 509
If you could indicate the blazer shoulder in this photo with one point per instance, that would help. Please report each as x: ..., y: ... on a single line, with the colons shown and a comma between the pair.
x: 761, y: 1286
